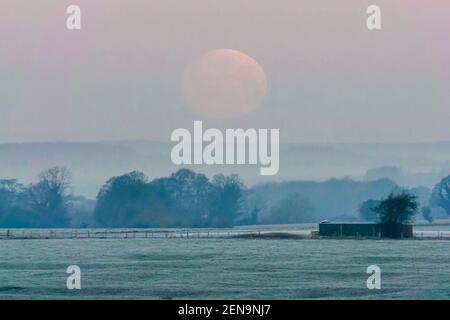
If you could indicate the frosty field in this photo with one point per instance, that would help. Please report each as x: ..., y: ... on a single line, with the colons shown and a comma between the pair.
x: 224, y: 269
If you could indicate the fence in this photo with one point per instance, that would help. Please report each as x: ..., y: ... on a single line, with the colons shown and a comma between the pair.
x: 121, y: 234
x: 179, y: 234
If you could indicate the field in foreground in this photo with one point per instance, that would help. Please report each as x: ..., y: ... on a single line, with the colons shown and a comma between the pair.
x: 224, y: 269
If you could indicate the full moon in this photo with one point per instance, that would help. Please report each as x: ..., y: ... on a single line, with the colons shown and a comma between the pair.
x: 224, y: 83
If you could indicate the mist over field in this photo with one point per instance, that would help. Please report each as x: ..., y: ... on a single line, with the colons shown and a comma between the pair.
x: 92, y: 163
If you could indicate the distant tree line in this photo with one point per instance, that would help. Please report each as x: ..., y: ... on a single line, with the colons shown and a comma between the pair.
x: 190, y: 199
x: 373, y: 210
x: 42, y: 204
x: 185, y: 199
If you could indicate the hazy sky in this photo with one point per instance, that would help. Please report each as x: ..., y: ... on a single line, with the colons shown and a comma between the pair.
x: 329, y: 78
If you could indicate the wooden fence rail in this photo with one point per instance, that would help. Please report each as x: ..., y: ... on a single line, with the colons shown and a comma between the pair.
x: 117, y: 234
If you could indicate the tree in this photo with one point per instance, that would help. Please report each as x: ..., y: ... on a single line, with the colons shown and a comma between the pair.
x: 294, y: 208
x: 366, y: 210
x: 227, y: 196
x: 190, y: 195
x: 48, y: 197
x: 426, y: 213
x: 397, y: 208
x: 440, y: 195
x: 11, y: 213
x: 9, y: 191
x: 118, y: 201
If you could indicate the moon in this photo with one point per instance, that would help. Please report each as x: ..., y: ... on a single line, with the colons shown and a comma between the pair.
x: 224, y: 83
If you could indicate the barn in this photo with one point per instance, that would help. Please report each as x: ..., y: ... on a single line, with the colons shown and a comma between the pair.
x: 379, y: 230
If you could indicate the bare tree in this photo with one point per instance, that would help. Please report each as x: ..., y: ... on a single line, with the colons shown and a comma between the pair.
x: 48, y: 197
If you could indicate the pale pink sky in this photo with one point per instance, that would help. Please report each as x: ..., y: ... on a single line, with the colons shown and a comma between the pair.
x: 329, y: 78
